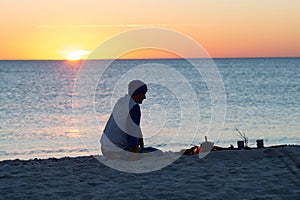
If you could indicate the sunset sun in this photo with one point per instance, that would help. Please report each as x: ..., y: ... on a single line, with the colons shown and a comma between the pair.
x: 74, y: 55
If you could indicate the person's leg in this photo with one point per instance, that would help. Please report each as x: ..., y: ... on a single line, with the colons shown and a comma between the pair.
x: 111, y: 154
x: 149, y: 149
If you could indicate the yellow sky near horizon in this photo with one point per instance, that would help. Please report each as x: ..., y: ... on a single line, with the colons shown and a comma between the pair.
x: 51, y: 29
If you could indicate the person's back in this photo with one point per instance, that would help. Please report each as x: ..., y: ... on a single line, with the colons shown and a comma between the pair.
x: 119, y: 126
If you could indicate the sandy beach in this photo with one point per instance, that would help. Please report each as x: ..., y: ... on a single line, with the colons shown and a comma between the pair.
x: 270, y: 173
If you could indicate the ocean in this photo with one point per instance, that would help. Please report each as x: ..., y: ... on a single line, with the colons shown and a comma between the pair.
x: 43, y: 113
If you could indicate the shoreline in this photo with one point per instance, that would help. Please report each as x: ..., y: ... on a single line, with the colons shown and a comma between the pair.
x: 182, y: 152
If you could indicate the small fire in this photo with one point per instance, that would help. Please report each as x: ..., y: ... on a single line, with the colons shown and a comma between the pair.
x: 196, y: 150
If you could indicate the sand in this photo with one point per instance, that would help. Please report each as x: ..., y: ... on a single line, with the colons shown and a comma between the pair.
x: 270, y: 173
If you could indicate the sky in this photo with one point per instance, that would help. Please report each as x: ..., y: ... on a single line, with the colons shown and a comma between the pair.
x: 69, y: 29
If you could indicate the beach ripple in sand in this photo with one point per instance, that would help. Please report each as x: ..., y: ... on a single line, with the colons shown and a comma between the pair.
x: 246, y: 174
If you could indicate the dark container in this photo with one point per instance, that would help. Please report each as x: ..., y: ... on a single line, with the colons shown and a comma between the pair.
x: 241, y: 144
x: 260, y: 143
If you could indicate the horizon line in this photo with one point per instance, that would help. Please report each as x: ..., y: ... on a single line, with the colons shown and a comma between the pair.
x: 263, y: 57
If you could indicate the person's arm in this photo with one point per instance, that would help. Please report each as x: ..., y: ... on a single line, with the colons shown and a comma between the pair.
x: 133, y: 149
x: 141, y: 142
x: 132, y: 144
x: 135, y: 142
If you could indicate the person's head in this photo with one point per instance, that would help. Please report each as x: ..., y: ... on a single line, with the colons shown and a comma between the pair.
x: 137, y: 90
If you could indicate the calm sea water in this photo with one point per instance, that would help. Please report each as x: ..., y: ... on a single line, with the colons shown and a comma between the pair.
x: 36, y: 109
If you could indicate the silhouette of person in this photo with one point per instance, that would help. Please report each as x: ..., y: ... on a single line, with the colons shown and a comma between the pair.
x: 122, y: 133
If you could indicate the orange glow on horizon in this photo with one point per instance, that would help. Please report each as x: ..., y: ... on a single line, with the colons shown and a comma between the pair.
x: 54, y: 30
x: 148, y: 54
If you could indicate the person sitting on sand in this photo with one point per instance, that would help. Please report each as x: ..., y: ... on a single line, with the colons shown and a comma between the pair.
x: 122, y: 133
